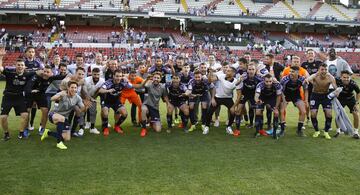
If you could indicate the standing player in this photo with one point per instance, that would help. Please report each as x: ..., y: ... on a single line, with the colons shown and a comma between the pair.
x: 198, y: 89
x: 142, y: 73
x: 67, y: 101
x: 91, y: 87
x: 164, y: 70
x: 112, y: 90
x: 321, y: 82
x: 177, y: 99
x: 268, y: 93
x: 291, y: 86
x: 246, y: 93
x: 14, y: 95
x: 222, y: 94
x: 131, y: 95
x: 347, y: 98
x: 38, y: 86
x: 31, y: 64
x: 312, y: 66
x: 150, y: 107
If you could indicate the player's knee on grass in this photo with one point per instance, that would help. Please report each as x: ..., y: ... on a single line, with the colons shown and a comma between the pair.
x: 157, y: 126
x: 66, y: 135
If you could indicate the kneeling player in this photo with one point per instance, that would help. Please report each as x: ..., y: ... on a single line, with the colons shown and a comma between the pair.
x: 150, y: 107
x: 267, y: 93
x: 177, y: 99
x: 291, y: 86
x: 347, y: 98
x: 112, y: 89
x: 67, y: 101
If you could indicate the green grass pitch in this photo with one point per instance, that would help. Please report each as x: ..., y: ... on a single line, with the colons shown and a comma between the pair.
x: 180, y: 163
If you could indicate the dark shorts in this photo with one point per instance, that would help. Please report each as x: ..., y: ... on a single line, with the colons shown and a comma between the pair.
x: 250, y: 99
x: 204, y: 98
x: 294, y: 99
x: 349, y: 103
x: 113, y: 105
x: 16, y: 102
x: 319, y: 99
x: 39, y: 99
x: 177, y: 103
x: 268, y: 102
x: 154, y: 114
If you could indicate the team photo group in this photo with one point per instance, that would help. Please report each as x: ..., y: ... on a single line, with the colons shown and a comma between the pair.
x: 255, y: 92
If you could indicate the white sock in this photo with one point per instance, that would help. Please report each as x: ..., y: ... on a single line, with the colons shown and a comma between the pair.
x: 338, y: 130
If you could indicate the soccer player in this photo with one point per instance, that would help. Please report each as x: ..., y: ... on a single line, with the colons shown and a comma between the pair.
x: 312, y: 66
x: 321, y: 82
x: 347, y: 98
x: 79, y: 62
x: 67, y: 100
x: 246, y: 93
x: 142, y: 73
x: 14, y: 95
x: 179, y: 64
x: 150, y: 107
x: 198, y: 90
x: 38, y: 86
x: 291, y: 87
x: 267, y: 93
x: 164, y: 70
x: 177, y: 99
x: 222, y: 94
x: 131, y: 95
x: 110, y: 69
x: 112, y: 90
x: 78, y: 118
x: 54, y: 86
x: 31, y: 63
x: 295, y: 61
x: 92, y: 86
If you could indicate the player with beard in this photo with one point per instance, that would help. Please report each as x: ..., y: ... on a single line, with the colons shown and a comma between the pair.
x: 321, y: 82
x: 179, y: 64
x: 275, y: 69
x: 164, y: 70
x: 92, y: 86
x: 38, y: 85
x: 150, y: 107
x: 246, y: 93
x: 347, y: 98
x: 267, y: 93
